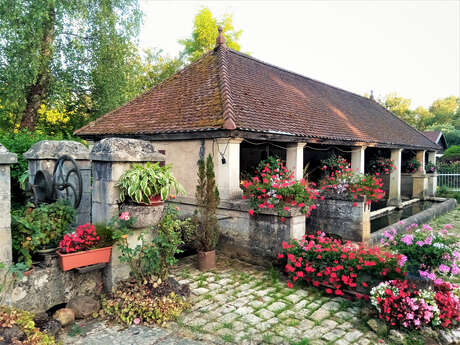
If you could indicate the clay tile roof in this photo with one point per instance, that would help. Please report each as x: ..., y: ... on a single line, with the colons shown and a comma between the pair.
x: 229, y: 90
x: 432, y: 135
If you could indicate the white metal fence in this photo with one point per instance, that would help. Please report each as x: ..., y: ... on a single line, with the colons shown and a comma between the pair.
x: 449, y: 176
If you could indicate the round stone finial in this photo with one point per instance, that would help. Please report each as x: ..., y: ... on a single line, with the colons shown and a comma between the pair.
x: 220, y: 40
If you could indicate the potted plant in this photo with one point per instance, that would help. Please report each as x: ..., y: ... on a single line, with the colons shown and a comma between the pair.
x: 412, y: 166
x: 148, y: 184
x: 38, y: 230
x: 83, y: 248
x: 207, y: 229
x: 430, y: 168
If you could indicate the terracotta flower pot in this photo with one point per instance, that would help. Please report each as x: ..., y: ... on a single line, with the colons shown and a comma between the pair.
x: 207, y: 260
x: 155, y: 200
x: 84, y: 258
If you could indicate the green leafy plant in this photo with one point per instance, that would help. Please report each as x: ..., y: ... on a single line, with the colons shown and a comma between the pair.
x: 155, y: 256
x: 207, y: 196
x: 430, y: 168
x: 9, y: 275
x: 333, y: 162
x: 41, y: 227
x: 142, y: 182
x: 381, y: 166
x: 105, y: 233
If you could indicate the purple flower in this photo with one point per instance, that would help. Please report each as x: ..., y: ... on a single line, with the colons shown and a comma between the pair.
x: 420, y: 243
x: 423, y: 274
x: 427, y: 227
x: 455, y: 270
x: 438, y: 281
x: 407, y: 239
x: 429, y: 240
x: 444, y: 268
x: 448, y: 226
x: 402, y: 260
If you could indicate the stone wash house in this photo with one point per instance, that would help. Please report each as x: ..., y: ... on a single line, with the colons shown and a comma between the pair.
x: 241, y: 109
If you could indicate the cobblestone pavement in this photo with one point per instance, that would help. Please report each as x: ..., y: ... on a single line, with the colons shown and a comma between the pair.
x: 245, y: 304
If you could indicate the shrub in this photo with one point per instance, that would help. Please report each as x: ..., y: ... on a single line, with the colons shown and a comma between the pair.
x: 142, y: 182
x: 452, y: 154
x: 424, y: 249
x: 337, y: 266
x: 41, y: 227
x: 274, y: 187
x: 381, y: 166
x: 207, y: 197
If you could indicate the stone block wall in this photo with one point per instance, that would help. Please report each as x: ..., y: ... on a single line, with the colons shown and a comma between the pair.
x: 6, y: 159
x: 340, y: 217
x: 44, y: 154
x: 256, y: 239
x: 406, y: 185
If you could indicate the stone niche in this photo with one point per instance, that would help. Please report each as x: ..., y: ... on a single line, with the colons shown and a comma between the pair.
x: 256, y: 239
x: 47, y: 287
x: 338, y: 216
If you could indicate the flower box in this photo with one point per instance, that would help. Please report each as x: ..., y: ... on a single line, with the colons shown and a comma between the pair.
x: 84, y: 258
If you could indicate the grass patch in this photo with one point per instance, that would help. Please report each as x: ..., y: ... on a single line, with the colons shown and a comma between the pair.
x: 186, y: 273
x: 303, y: 341
x: 228, y: 338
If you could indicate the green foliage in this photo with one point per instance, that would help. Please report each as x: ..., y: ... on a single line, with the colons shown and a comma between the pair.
x: 143, y: 304
x: 430, y: 168
x: 204, y: 35
x: 25, y: 321
x: 71, y: 56
x: 411, y: 166
x: 106, y: 236
x: 155, y: 256
x: 334, y: 162
x: 142, y: 182
x: 444, y: 192
x: 449, y: 167
x: 39, y: 228
x: 451, y: 154
x: 207, y: 196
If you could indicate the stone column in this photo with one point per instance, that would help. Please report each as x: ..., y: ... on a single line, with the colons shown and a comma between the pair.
x: 419, y: 179
x: 394, y: 197
x: 110, y: 158
x: 6, y: 159
x: 228, y: 168
x: 357, y: 159
x: 432, y: 178
x: 294, y: 159
x: 43, y: 156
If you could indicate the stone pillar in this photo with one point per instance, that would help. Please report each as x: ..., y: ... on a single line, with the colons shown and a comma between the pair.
x: 43, y: 156
x: 394, y: 197
x: 294, y: 159
x: 419, y: 179
x: 357, y: 159
x: 6, y: 159
x: 432, y: 178
x: 110, y: 158
x: 228, y: 171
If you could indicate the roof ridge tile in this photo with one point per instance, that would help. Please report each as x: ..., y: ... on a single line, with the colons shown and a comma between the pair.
x: 225, y: 90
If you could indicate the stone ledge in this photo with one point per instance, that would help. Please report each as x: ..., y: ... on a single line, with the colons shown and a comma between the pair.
x: 125, y: 150
x: 7, y: 157
x: 53, y: 149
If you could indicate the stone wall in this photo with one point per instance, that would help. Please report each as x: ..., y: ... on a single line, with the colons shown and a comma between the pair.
x: 46, y: 287
x: 256, y: 239
x: 406, y: 185
x: 6, y: 159
x: 43, y: 156
x: 340, y: 217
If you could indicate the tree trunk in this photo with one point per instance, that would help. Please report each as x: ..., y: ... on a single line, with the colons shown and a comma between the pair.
x: 36, y: 93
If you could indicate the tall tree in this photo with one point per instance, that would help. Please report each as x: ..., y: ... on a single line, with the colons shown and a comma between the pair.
x: 55, y: 50
x: 444, y: 110
x: 399, y: 106
x: 205, y: 32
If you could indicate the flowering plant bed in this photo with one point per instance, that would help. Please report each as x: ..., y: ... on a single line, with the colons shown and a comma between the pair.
x: 412, y: 166
x: 274, y: 187
x: 80, y: 248
x: 401, y: 304
x: 344, y: 181
x: 425, y: 250
x: 339, y: 267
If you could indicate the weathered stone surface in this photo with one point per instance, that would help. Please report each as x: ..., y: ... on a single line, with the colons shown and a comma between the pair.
x: 10, y: 333
x: 377, y: 326
x: 146, y: 216
x: 65, y: 316
x: 84, y: 306
x: 46, y: 287
x: 7, y: 157
x: 125, y: 150
x: 53, y: 149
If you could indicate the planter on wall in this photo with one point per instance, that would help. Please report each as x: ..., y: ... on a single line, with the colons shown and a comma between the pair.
x: 145, y: 215
x: 84, y: 258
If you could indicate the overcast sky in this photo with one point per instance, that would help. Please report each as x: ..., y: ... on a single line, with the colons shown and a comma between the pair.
x: 408, y: 47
